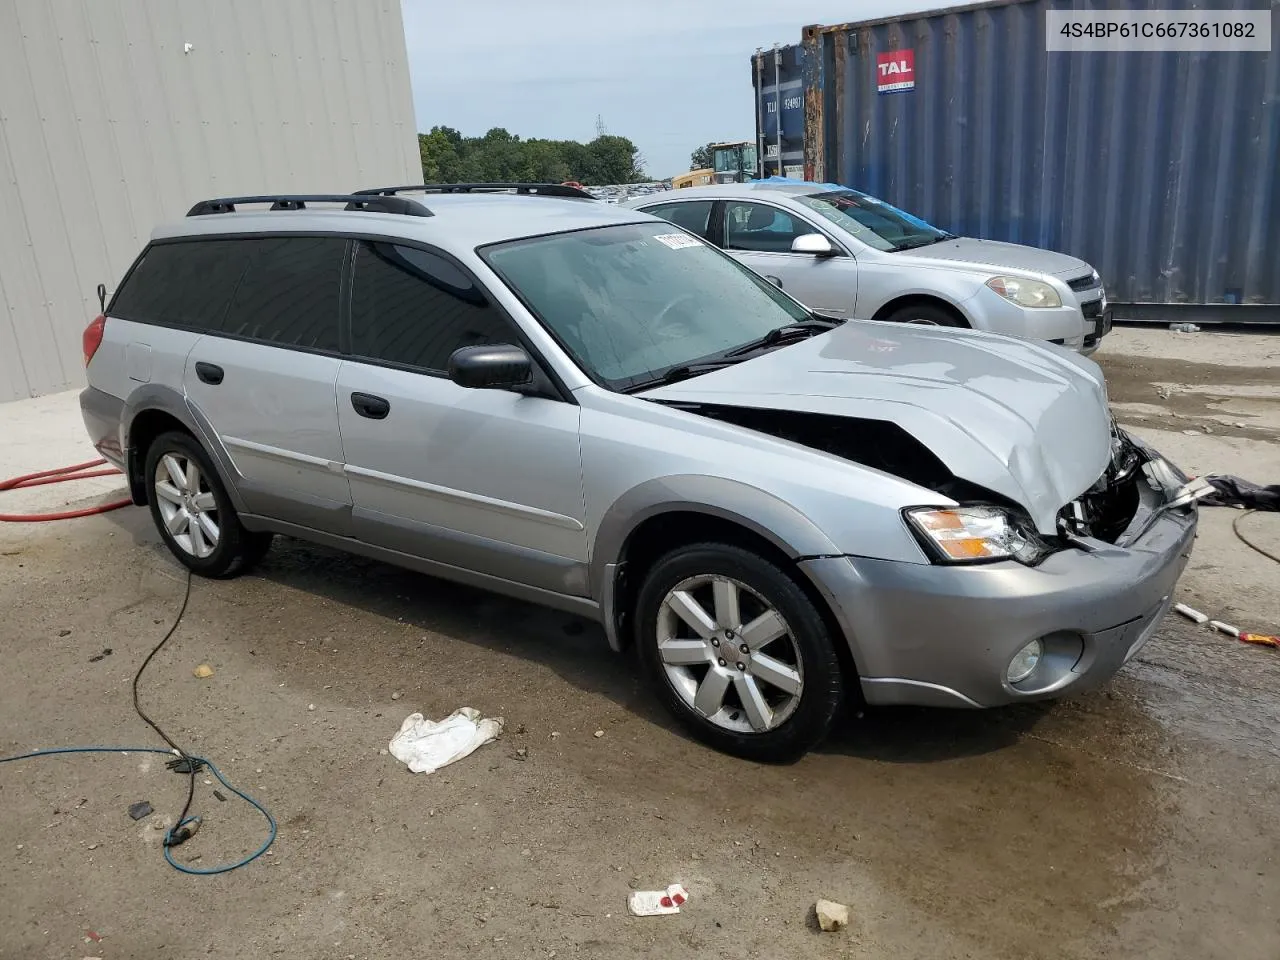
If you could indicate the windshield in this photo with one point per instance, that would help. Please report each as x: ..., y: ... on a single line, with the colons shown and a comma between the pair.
x: 632, y: 302
x: 874, y: 222
x: 725, y: 160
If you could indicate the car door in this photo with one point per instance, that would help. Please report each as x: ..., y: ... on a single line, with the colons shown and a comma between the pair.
x: 264, y: 378
x: 484, y: 480
x: 760, y: 235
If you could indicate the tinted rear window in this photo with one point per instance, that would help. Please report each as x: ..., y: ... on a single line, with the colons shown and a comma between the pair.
x: 289, y: 292
x: 183, y: 284
x: 281, y: 290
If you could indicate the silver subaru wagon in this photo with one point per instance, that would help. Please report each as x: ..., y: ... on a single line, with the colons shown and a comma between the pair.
x: 587, y: 407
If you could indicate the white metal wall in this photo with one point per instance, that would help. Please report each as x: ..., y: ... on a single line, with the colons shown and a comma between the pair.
x: 116, y: 115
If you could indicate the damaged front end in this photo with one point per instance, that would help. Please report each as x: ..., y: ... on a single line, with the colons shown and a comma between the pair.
x: 878, y: 444
x: 1137, y: 486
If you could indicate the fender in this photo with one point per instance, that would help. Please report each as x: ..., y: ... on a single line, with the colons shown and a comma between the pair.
x: 155, y: 396
x: 751, y: 508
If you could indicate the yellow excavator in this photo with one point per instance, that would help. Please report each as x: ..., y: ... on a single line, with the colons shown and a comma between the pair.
x: 730, y: 163
x: 735, y: 162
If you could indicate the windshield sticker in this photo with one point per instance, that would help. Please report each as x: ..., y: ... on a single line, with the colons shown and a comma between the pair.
x: 677, y: 241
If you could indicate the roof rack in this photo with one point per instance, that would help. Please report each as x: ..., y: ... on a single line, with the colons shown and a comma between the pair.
x: 379, y: 204
x: 533, y: 189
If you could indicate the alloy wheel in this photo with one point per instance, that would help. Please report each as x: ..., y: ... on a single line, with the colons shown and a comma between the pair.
x: 187, y: 505
x: 729, y: 654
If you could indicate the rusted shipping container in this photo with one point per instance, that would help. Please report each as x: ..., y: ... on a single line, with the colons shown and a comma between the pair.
x: 1161, y: 168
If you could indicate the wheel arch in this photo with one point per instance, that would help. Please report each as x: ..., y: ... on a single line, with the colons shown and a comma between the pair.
x: 924, y: 300
x: 665, y: 513
x: 157, y: 409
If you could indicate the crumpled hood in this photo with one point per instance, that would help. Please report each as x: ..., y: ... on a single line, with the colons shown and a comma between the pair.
x: 1026, y: 420
x: 995, y: 256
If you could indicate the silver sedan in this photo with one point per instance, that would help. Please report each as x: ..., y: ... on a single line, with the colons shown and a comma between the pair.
x: 848, y: 254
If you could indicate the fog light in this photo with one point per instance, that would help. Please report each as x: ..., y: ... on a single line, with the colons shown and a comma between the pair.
x: 1024, y: 661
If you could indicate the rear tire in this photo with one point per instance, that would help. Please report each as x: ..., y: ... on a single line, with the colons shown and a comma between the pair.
x: 193, y: 513
x: 927, y: 315
x: 738, y: 653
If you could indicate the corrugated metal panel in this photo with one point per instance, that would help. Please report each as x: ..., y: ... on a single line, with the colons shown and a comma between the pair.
x: 108, y: 126
x: 1161, y: 168
x: 779, y: 109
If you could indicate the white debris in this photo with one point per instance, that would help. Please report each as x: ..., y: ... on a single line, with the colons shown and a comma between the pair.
x: 1226, y: 628
x: 654, y: 903
x: 1191, y: 613
x: 427, y: 745
x: 831, y: 915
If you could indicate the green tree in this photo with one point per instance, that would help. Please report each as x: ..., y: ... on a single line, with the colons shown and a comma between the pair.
x: 447, y: 156
x: 700, y: 159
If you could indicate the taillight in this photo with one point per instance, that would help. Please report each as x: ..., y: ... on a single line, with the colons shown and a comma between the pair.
x: 92, y: 339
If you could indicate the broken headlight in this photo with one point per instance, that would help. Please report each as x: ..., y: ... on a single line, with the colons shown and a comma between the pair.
x: 1124, y: 455
x: 977, y: 534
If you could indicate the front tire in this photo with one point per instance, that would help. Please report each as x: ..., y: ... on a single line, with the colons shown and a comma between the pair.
x: 193, y: 513
x: 738, y: 652
x: 926, y: 315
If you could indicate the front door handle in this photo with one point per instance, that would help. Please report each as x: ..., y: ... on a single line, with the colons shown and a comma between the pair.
x: 209, y: 372
x: 367, y: 405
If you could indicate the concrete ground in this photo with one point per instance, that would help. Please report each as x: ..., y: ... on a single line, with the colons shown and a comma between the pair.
x: 1136, y: 821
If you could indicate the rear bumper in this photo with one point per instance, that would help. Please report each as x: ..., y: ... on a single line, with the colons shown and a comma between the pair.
x: 104, y: 420
x: 943, y: 636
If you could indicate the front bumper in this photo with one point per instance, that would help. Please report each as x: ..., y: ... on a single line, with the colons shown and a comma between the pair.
x: 1078, y: 326
x: 937, y: 635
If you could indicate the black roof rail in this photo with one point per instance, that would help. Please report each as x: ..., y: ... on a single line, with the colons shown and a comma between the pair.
x: 533, y: 189
x: 379, y: 204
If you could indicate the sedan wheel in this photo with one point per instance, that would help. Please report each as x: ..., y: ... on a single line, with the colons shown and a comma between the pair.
x: 728, y: 654
x: 926, y: 315
x: 187, y: 505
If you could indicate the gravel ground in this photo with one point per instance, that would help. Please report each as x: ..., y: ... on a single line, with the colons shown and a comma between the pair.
x: 1135, y: 821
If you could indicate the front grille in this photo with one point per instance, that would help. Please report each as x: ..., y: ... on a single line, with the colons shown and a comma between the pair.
x: 1082, y: 283
x: 1091, y: 310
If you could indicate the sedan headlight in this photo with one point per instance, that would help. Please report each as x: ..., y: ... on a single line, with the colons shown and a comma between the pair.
x: 1025, y: 293
x: 977, y: 534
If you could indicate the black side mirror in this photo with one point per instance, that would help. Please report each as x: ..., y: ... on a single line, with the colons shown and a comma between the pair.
x: 490, y: 366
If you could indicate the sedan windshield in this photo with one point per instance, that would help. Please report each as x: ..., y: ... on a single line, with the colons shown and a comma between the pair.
x: 634, y: 302
x: 874, y: 222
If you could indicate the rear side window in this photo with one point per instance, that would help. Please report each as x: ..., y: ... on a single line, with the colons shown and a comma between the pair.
x: 289, y: 292
x: 693, y: 215
x: 283, y: 290
x: 187, y: 284
x: 413, y: 307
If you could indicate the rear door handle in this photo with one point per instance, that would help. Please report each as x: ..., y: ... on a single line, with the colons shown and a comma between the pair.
x: 367, y: 405
x: 209, y: 372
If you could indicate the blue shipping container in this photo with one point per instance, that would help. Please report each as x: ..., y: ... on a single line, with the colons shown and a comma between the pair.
x: 1160, y: 168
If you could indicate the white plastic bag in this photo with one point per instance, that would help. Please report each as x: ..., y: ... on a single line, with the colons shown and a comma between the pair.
x: 427, y: 745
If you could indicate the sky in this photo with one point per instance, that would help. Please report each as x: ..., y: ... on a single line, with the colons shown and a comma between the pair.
x: 669, y: 74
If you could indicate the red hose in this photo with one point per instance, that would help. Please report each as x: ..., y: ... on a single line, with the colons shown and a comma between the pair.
x: 58, y: 476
